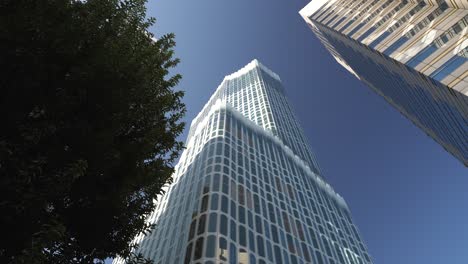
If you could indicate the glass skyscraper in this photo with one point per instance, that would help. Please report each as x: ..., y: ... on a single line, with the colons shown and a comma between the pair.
x: 248, y: 189
x: 414, y: 53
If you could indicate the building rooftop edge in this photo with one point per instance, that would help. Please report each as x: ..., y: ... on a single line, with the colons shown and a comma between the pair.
x: 250, y: 66
x: 312, y: 7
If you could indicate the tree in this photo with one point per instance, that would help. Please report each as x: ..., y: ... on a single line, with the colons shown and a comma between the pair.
x: 90, y: 119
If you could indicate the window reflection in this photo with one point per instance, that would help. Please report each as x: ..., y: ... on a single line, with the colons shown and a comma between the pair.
x: 223, y: 253
x: 210, y: 246
x: 223, y: 225
x: 212, y: 223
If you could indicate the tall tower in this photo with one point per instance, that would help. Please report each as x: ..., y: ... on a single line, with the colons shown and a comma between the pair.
x: 414, y: 53
x: 248, y: 189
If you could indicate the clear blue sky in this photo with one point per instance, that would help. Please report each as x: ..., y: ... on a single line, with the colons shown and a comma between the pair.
x: 408, y: 196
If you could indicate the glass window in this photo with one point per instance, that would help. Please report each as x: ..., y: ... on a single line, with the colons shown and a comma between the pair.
x: 299, y: 230
x: 283, y: 237
x: 206, y: 187
x: 249, y: 199
x: 305, y: 252
x: 286, y: 222
x: 327, y: 246
x: 339, y: 21
x: 212, y: 223
x: 253, y: 260
x: 195, y: 205
x: 250, y: 218
x: 224, y: 204
x: 242, y: 236
x: 257, y: 204
x: 193, y: 225
x: 271, y: 213
x: 241, y: 194
x: 214, y: 201
x: 223, y: 225
x: 277, y: 254
x: 233, y: 210
x: 251, y: 241
x: 226, y: 184
x: 269, y: 251
x: 448, y: 67
x: 395, y: 45
x: 346, y: 25
x: 201, y: 224
x: 421, y: 56
x: 374, y: 43
x: 339, y: 253
x: 274, y: 234
x: 356, y: 29
x: 216, y: 177
x: 210, y: 246
x: 226, y: 150
x: 219, y: 148
x: 258, y: 224
x: 233, y: 190
x: 290, y: 244
x: 199, y: 248
x: 233, y: 231
x: 204, y: 203
x: 233, y: 255
x: 241, y: 214
x: 260, y: 246
x: 286, y: 256
x: 209, y: 169
x: 267, y: 229
x: 223, y: 253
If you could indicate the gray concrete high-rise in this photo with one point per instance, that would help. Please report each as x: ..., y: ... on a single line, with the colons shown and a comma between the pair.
x: 248, y: 189
x: 414, y: 53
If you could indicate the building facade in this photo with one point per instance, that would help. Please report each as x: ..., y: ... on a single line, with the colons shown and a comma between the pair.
x: 414, y: 53
x: 248, y: 189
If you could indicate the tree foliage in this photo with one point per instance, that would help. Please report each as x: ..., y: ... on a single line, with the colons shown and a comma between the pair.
x: 89, y: 121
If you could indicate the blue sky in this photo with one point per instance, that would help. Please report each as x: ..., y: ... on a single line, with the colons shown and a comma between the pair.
x: 408, y: 196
